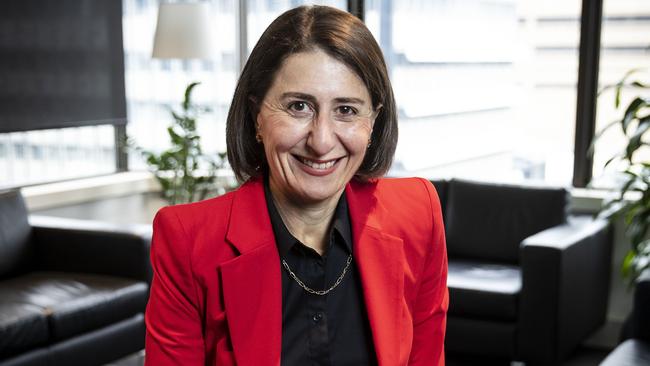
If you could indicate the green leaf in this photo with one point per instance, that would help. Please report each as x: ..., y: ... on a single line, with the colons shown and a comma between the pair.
x: 638, y: 226
x: 164, y: 183
x: 187, y: 100
x: 190, y: 124
x: 635, y: 141
x: 632, y: 72
x: 617, y: 96
x: 175, y: 138
x: 153, y: 160
x: 630, y: 112
x: 178, y: 118
x: 610, y: 160
x: 626, y: 267
x: 619, y: 86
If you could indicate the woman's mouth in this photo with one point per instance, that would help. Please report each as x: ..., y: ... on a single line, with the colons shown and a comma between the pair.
x: 320, y: 166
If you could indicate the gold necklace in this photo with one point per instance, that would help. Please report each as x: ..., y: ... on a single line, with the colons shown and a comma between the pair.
x: 318, y: 292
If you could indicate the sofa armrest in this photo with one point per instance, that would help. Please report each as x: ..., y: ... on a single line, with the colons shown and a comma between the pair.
x: 565, y: 287
x: 641, y: 325
x: 73, y: 245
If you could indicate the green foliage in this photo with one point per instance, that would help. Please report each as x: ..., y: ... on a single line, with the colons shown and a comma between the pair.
x: 632, y: 202
x: 184, y: 172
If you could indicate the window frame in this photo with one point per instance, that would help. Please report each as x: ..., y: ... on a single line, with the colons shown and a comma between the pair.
x: 588, y: 67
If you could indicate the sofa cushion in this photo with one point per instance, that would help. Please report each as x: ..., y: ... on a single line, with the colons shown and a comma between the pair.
x: 22, y: 326
x: 14, y: 233
x: 466, y: 337
x: 489, y: 221
x: 483, y: 290
x: 72, y: 303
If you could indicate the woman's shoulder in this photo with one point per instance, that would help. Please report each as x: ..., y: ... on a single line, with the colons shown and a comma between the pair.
x: 409, y: 182
x: 404, y: 191
x: 407, y: 208
x: 212, y: 214
x: 402, y: 198
x: 199, y: 210
x: 190, y: 230
x: 191, y: 218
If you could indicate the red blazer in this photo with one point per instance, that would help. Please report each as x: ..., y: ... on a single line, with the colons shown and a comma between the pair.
x: 216, y: 296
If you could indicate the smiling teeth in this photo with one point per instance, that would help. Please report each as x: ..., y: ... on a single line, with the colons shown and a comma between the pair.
x: 319, y: 166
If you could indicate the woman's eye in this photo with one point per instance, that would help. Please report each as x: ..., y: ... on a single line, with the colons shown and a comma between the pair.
x: 346, y: 110
x: 299, y: 106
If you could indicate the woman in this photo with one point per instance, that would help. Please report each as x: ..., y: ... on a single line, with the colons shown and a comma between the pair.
x: 314, y: 260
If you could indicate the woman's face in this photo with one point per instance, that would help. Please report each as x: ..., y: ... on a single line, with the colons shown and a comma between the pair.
x: 315, y: 123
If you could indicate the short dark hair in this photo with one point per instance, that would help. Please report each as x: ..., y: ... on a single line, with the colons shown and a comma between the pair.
x: 342, y: 36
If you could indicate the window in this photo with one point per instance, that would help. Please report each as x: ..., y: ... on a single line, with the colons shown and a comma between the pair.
x: 486, y: 89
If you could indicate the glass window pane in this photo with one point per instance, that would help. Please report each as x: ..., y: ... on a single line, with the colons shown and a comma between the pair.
x: 153, y: 86
x: 50, y: 155
x: 485, y: 89
x: 625, y: 45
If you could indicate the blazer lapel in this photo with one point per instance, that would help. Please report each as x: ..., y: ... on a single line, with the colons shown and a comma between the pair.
x: 252, y: 286
x: 380, y: 259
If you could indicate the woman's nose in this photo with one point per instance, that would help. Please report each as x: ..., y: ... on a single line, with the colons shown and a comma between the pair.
x: 322, y: 137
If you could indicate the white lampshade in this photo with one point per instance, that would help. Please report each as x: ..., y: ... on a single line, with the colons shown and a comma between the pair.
x: 183, y: 31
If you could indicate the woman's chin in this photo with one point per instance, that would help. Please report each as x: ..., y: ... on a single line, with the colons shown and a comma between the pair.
x: 318, y: 194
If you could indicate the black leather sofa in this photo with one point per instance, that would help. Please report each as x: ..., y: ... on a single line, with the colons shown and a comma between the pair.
x: 70, y: 293
x: 635, y: 350
x: 526, y: 281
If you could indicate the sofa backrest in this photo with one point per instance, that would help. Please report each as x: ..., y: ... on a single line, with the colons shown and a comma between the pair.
x: 15, y: 233
x: 441, y: 187
x: 489, y: 221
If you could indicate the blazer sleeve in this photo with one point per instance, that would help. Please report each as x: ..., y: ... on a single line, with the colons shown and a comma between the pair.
x: 430, y: 311
x: 173, y: 321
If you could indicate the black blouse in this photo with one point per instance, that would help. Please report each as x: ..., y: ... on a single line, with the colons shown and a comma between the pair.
x: 331, y: 329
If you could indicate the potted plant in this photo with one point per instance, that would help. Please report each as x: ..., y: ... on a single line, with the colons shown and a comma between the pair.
x: 632, y: 201
x: 184, y: 172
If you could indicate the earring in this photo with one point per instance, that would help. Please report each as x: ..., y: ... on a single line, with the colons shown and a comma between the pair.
x: 258, y: 137
x: 369, y: 143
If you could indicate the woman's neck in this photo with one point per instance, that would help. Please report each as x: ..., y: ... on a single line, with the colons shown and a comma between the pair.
x: 308, y: 223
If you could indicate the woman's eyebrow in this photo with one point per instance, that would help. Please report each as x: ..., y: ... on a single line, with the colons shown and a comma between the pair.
x: 312, y: 99
x: 350, y: 100
x: 307, y: 97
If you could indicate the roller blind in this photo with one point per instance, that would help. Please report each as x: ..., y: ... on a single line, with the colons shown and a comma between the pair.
x: 61, y: 64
